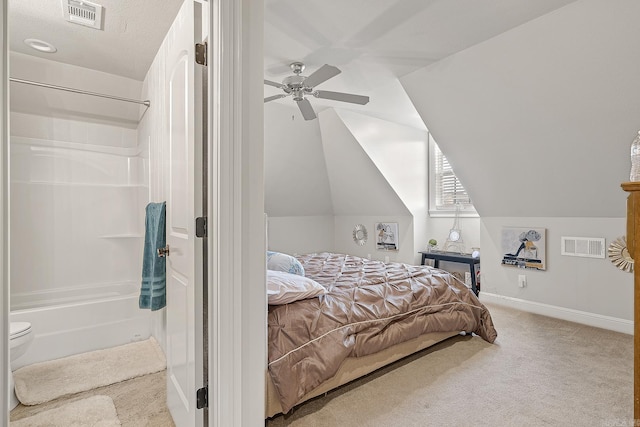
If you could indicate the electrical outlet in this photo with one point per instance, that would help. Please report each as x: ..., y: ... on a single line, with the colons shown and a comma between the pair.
x: 522, y: 280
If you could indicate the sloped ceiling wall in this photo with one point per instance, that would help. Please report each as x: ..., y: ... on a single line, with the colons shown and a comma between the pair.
x: 317, y: 167
x: 398, y: 152
x: 296, y: 180
x: 538, y: 121
x: 357, y: 186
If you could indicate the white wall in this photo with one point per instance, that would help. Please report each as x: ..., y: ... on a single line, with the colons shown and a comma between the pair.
x: 344, y: 237
x: 537, y: 123
x: 77, y: 185
x: 297, y: 194
x: 296, y: 181
x: 4, y: 218
x: 357, y: 186
x: 301, y: 234
x: 68, y: 105
x: 357, y: 170
x: 588, y: 285
x: 153, y: 140
x: 400, y: 153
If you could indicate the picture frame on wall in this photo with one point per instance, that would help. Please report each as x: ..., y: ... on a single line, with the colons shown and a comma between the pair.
x: 524, y: 247
x: 387, y: 236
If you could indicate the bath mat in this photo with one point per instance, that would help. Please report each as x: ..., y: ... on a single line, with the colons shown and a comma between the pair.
x: 45, y: 381
x: 97, y: 411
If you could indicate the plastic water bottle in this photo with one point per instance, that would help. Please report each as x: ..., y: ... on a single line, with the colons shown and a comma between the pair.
x: 635, y: 159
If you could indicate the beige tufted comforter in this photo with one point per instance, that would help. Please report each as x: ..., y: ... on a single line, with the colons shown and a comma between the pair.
x: 369, y: 306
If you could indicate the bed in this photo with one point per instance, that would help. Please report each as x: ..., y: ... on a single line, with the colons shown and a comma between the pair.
x: 368, y: 314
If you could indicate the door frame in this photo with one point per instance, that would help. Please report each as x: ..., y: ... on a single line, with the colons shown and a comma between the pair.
x: 236, y: 259
x: 237, y: 297
x: 4, y: 215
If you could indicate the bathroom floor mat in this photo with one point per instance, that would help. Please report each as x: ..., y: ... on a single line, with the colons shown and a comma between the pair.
x: 96, y: 411
x: 45, y: 381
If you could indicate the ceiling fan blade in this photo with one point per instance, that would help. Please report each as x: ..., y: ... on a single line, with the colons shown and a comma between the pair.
x: 340, y: 96
x: 274, y: 84
x: 322, y: 74
x: 274, y: 97
x: 306, y: 109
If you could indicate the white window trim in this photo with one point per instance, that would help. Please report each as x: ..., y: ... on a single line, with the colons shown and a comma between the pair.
x: 466, y: 211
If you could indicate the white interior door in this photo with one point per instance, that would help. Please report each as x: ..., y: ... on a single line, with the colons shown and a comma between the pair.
x: 184, y: 263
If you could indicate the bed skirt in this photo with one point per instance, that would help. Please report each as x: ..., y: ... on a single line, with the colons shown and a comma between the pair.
x: 356, y: 367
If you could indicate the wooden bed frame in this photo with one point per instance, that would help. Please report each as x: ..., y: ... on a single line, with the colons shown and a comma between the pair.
x: 356, y: 367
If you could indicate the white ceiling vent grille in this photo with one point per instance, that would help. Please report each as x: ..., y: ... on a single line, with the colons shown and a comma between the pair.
x: 589, y: 247
x: 83, y: 12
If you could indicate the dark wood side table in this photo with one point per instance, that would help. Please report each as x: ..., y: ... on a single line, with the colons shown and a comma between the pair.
x: 438, y: 256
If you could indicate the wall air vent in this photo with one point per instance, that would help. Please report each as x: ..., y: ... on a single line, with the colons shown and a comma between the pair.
x: 83, y: 12
x: 589, y: 247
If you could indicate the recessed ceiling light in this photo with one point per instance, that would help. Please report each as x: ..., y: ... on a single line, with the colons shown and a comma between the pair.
x: 40, y: 45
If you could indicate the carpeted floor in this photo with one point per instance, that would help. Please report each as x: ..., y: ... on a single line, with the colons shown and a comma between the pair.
x: 540, y: 372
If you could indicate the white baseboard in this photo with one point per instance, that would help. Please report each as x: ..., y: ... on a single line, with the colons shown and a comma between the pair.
x: 583, y: 317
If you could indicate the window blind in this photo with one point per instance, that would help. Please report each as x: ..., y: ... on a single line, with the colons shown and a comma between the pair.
x: 449, y: 192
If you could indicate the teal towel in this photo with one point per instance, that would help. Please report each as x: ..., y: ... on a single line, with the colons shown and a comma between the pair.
x: 154, y: 277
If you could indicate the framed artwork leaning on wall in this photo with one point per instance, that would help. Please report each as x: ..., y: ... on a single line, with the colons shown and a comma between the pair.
x: 387, y: 236
x: 524, y: 247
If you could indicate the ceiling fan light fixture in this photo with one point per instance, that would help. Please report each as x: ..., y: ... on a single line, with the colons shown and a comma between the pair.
x: 297, y: 67
x: 299, y: 85
x: 298, y: 95
x: 293, y: 82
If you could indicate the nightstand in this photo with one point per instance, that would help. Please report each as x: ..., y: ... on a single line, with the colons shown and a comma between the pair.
x: 437, y: 256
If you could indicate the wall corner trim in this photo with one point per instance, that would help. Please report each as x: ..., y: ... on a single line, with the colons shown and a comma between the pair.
x: 569, y: 314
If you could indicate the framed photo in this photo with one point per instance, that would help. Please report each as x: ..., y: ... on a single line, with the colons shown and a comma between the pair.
x: 387, y: 236
x: 524, y: 247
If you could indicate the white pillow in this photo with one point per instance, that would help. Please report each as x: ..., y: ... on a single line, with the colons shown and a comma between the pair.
x: 283, y: 287
x: 283, y: 262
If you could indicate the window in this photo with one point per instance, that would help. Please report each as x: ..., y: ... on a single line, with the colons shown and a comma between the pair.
x: 445, y: 189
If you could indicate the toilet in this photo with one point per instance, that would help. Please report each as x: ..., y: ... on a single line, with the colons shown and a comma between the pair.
x: 20, y: 337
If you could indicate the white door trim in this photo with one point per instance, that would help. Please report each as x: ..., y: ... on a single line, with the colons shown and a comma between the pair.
x: 4, y: 217
x: 237, y: 297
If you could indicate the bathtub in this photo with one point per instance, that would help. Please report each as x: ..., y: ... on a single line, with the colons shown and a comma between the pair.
x: 80, y: 319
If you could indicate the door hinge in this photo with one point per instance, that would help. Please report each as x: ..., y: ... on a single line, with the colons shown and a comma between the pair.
x: 201, y: 53
x: 202, y: 398
x: 201, y: 226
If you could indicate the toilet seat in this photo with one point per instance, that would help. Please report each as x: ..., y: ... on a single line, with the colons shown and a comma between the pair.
x: 18, y: 329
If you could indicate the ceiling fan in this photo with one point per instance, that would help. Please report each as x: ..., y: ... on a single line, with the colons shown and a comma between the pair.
x: 298, y: 86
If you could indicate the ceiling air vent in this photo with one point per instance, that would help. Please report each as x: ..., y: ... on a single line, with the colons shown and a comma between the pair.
x: 589, y: 247
x: 83, y: 13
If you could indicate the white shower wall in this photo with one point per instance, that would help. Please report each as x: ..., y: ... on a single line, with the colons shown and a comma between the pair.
x: 79, y: 180
x: 78, y: 192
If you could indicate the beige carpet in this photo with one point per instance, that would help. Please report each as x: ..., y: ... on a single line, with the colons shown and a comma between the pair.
x: 42, y: 382
x: 539, y: 372
x: 96, y: 411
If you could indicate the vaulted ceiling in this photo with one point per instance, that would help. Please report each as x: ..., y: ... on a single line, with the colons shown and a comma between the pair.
x: 372, y: 42
x: 375, y: 42
x: 522, y: 78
